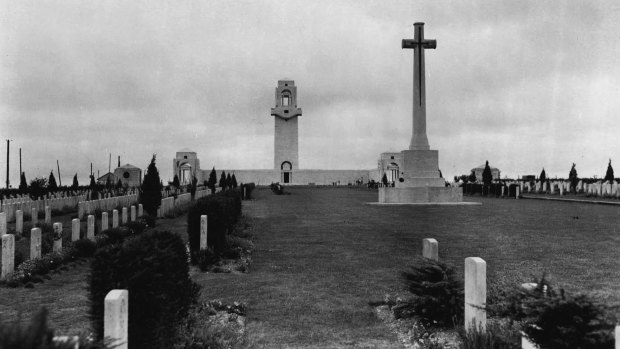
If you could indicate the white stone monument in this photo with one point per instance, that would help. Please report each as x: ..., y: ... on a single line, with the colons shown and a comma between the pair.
x: 430, y: 249
x: 57, y: 237
x: 8, y: 255
x: 116, y: 318
x: 475, y: 293
x: 90, y: 227
x: 419, y: 180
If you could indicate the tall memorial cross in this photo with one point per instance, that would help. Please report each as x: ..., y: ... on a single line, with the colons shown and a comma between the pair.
x: 419, y: 140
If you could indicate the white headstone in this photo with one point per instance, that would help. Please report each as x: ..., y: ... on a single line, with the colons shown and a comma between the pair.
x: 114, y: 218
x: 2, y: 223
x: 475, y: 293
x: 133, y: 213
x: 48, y: 214
x: 57, y: 237
x: 116, y: 318
x: 104, y: 221
x: 124, y: 216
x: 35, y: 243
x: 140, y: 210
x: 34, y: 217
x: 8, y: 255
x: 203, y: 232
x: 617, y: 336
x: 526, y: 344
x: 90, y: 227
x: 19, y: 222
x: 517, y: 194
x: 75, y: 229
x: 430, y: 249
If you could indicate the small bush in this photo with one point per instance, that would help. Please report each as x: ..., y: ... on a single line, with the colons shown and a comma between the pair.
x: 555, y: 321
x: 201, y: 330
x: 112, y: 236
x: 84, y: 248
x: 147, y: 220
x: 206, y: 259
x: 153, y: 268
x: 497, y: 336
x: 437, y: 293
x: 136, y: 228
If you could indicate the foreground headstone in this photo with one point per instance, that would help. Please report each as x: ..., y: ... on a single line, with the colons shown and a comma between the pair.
x: 203, y: 232
x: 90, y: 227
x: 114, y: 218
x: 617, y: 336
x: 48, y: 214
x: 133, y: 213
x: 116, y: 316
x: 104, y: 221
x: 75, y: 229
x: 8, y: 255
x: 124, y: 216
x: 475, y: 293
x: 526, y: 344
x: 66, y: 340
x: 57, y: 237
x: 430, y: 249
x: 35, y: 243
x: 19, y: 222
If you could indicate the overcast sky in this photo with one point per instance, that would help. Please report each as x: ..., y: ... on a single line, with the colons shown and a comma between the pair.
x: 523, y: 84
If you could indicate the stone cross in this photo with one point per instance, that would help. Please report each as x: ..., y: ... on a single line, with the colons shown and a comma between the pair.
x: 419, y: 140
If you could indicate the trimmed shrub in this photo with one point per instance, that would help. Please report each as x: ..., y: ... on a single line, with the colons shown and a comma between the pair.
x: 112, y: 236
x: 223, y: 210
x: 84, y: 248
x: 206, y: 259
x: 136, y: 228
x: 153, y: 268
x: 437, y: 293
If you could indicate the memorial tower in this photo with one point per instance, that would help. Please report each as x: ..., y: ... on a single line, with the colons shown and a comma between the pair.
x: 286, y: 135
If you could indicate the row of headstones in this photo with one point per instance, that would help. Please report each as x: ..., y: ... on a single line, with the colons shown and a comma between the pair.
x: 476, y: 292
x: 11, y: 208
x: 8, y: 240
x: 88, y: 207
x: 115, y: 321
x: 168, y: 204
x: 597, y: 189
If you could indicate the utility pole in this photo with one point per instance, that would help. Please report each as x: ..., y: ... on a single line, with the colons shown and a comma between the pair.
x: 59, y: 180
x: 20, y: 163
x: 7, y: 162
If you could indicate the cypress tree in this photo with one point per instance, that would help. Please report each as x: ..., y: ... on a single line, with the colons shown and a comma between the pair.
x: 223, y: 180
x: 108, y: 182
x: 150, y: 190
x: 52, y: 186
x: 23, y: 185
x: 543, y: 176
x: 609, y: 176
x: 119, y: 184
x: 176, y: 182
x: 228, y: 181
x: 212, y: 180
x: 234, y: 181
x: 487, y: 176
x: 572, y: 176
x: 93, y: 184
x: 75, y: 184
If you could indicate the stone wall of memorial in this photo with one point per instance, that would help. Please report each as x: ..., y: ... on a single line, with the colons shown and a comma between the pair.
x: 298, y: 177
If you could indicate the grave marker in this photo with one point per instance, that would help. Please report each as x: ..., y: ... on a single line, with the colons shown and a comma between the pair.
x: 430, y: 249
x: 124, y: 216
x: 8, y: 255
x: 140, y: 210
x: 90, y: 227
x: 104, y: 221
x: 35, y: 243
x: 475, y: 293
x: 116, y: 316
x: 114, y: 218
x: 75, y: 229
x: 133, y: 213
x: 57, y: 237
x: 203, y: 232
x: 2, y: 223
x: 34, y: 216
x: 48, y: 214
x: 19, y: 222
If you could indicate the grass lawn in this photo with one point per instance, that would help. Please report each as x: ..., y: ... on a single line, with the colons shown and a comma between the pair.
x: 322, y: 254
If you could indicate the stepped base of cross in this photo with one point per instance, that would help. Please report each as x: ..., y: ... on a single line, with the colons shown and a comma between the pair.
x: 419, y: 181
